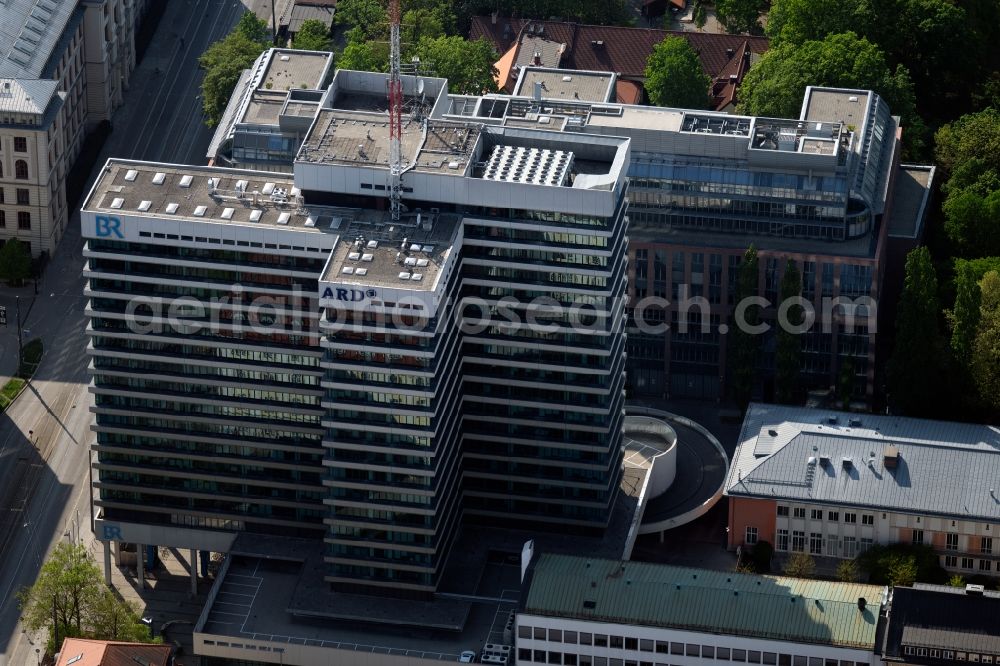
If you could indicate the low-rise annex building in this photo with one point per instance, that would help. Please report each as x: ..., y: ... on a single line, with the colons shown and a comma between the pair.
x: 834, y: 484
x: 581, y: 611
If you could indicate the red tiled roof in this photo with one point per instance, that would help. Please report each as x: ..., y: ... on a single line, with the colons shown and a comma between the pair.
x: 623, y: 50
x: 628, y: 92
x: 87, y: 652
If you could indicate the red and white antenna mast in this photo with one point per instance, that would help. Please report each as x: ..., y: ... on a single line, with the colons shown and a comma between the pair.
x: 395, y: 113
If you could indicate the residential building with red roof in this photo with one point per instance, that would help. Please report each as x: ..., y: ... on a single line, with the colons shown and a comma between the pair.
x: 621, y: 50
x: 89, y: 652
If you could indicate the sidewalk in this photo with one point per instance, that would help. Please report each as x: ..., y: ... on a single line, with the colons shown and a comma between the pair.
x: 8, y: 333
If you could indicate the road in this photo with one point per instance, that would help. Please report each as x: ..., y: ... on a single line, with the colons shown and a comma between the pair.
x: 44, y: 435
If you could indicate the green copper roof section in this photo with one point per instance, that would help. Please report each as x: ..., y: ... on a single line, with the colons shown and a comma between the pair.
x: 768, y: 607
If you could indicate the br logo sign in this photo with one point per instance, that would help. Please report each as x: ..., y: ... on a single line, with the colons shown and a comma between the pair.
x: 106, y: 227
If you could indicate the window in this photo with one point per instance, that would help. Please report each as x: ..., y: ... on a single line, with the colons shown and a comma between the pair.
x: 707, y: 652
x: 631, y: 643
x: 782, y: 540
x: 782, y: 510
x: 751, y: 536
x: 600, y: 640
x: 585, y: 638
x: 677, y: 648
x: 21, y: 170
x: 799, y: 512
x: 662, y: 647
x: 770, y: 658
x: 616, y: 642
x: 22, y: 197
x: 966, y: 562
x: 850, y: 547
x: 816, y: 514
x: 739, y: 655
x: 918, y: 537
x: 866, y: 544
x: 523, y: 654
x: 555, y: 657
x: 984, y: 565
x: 753, y: 656
x: 868, y: 519
x: 646, y: 645
x: 815, y: 543
x: 539, y: 656
x: 524, y: 632
x: 20, y: 144
x: 950, y: 561
x: 23, y: 220
x: 798, y: 541
x: 833, y: 516
x: 951, y: 541
x: 832, y: 545
x: 3, y: 220
x: 722, y: 654
x: 555, y: 635
x: 986, y: 545
x: 691, y: 650
x: 850, y: 517
x: 569, y: 637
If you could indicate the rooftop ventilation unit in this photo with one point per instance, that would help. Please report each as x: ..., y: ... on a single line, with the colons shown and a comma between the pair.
x: 846, y: 463
x: 171, y: 208
x: 417, y: 277
x: 159, y: 177
x: 423, y: 262
x: 824, y: 460
x: 283, y: 218
x: 227, y: 213
x: 117, y: 202
x: 428, y: 249
x: 354, y: 256
x: 267, y: 189
x: 372, y: 244
x: 145, y: 204
x: 347, y: 270
x: 255, y: 215
x: 361, y: 271
x: 130, y: 175
x: 414, y: 248
x: 404, y: 275
x: 890, y: 457
x: 199, y: 211
x: 367, y: 257
x: 410, y: 261
x: 186, y: 181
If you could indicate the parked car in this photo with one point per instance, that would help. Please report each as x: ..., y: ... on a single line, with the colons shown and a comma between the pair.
x: 467, y: 657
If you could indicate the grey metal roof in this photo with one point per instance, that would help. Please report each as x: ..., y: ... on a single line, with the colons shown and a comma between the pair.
x: 302, y: 13
x: 644, y: 594
x: 941, y: 617
x: 949, y: 469
x: 29, y: 30
x: 26, y: 95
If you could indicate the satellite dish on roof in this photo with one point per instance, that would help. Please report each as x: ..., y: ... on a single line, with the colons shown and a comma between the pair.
x: 420, y: 86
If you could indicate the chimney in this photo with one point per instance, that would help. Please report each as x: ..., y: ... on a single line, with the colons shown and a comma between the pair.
x: 493, y: 17
x: 730, y: 52
x: 862, y: 604
x: 890, y: 457
x: 536, y: 59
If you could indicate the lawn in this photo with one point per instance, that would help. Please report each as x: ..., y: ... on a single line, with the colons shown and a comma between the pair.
x: 31, y: 356
x: 10, y: 391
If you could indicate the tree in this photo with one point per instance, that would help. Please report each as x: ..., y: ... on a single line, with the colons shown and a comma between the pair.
x: 788, y: 352
x: 972, y: 138
x: 313, y: 35
x: 964, y: 315
x: 847, y: 571
x: 775, y: 85
x: 800, y: 21
x: 224, y: 62
x: 915, y: 365
x: 985, y: 362
x: 902, y: 571
x: 901, y: 564
x: 744, y: 346
x: 15, y: 262
x: 956, y: 581
x: 420, y: 23
x: 365, y: 57
x: 674, y: 76
x: 972, y: 222
x: 468, y: 65
x: 253, y: 28
x: 740, y: 16
x: 69, y: 595
x: 365, y: 16
x: 800, y: 565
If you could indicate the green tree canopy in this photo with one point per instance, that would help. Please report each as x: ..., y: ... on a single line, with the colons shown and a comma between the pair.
x: 365, y: 57
x: 15, y: 262
x: 740, y: 16
x: 972, y: 140
x: 674, y: 76
x: 985, y: 361
x: 368, y: 17
x: 902, y: 564
x: 224, y: 62
x: 788, y: 354
x: 800, y: 21
x: 800, y: 565
x: 972, y: 222
x: 468, y: 65
x: 964, y: 317
x: 313, y: 35
x: 915, y: 371
x: 71, y: 593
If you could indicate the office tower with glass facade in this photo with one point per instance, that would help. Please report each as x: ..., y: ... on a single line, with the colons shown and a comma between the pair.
x: 282, y: 357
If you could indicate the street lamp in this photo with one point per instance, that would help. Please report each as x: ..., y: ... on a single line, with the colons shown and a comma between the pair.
x: 38, y: 655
